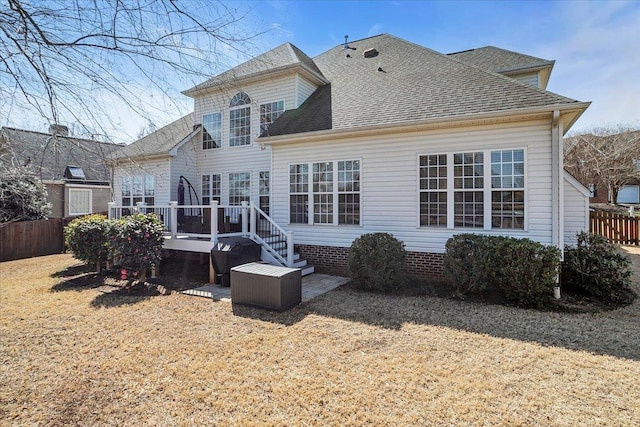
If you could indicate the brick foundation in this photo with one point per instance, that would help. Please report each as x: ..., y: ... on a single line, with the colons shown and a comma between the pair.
x: 333, y: 260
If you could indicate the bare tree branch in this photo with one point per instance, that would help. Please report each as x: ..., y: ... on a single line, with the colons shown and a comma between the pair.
x: 81, y: 60
x: 607, y: 156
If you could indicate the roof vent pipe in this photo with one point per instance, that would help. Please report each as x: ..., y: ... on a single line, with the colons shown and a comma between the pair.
x: 346, y: 44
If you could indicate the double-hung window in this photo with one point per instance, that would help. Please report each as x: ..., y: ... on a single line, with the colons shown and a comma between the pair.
x: 468, y: 194
x: 211, y: 131
x: 299, y: 193
x: 269, y: 112
x: 239, y: 187
x: 478, y: 189
x: 240, y: 120
x: 79, y: 201
x: 138, y: 188
x: 211, y: 188
x: 264, y: 191
x: 433, y: 190
x: 507, y: 189
x: 334, y: 193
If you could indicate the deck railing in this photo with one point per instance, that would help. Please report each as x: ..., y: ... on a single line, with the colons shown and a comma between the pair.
x: 214, y: 221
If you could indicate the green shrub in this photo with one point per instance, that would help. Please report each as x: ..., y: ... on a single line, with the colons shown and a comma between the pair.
x: 596, y: 267
x: 523, y: 270
x: 464, y: 262
x: 376, y: 262
x: 87, y: 238
x: 136, y: 244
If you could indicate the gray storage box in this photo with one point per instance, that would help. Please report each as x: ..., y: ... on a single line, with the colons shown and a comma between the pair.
x: 266, y: 286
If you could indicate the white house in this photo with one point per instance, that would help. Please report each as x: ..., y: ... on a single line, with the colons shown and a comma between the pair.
x: 377, y: 135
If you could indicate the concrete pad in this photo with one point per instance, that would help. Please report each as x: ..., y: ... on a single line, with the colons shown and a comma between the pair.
x: 312, y: 286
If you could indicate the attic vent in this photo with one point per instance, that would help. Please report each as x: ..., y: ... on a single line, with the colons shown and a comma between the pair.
x: 370, y: 53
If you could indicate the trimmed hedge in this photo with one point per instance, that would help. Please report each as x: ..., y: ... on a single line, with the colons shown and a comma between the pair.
x: 524, y: 271
x: 377, y: 262
x: 596, y: 267
x: 86, y: 237
x: 136, y: 244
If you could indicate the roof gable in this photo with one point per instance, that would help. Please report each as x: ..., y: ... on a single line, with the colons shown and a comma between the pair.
x: 160, y: 142
x: 49, y: 155
x: 285, y: 56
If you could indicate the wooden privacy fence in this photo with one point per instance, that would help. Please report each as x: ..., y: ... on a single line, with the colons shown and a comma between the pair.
x: 28, y: 239
x: 617, y: 228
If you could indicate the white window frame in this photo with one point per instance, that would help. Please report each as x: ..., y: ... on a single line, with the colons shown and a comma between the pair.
x: 487, y: 191
x: 264, y: 190
x: 334, y: 193
x: 234, y: 140
x: 215, y: 139
x: 231, y: 188
x: 211, y: 191
x: 89, y: 196
x: 145, y: 194
x: 267, y: 118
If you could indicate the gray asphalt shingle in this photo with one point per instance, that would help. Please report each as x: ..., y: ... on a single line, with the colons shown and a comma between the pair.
x: 495, y: 59
x: 49, y: 155
x: 282, y: 56
x: 160, y: 141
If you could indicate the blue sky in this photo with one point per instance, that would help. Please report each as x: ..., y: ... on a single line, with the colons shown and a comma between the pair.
x: 595, y: 44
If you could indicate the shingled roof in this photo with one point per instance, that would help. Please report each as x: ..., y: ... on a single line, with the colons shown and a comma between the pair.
x: 405, y: 83
x: 499, y: 60
x: 50, y: 155
x: 282, y: 57
x: 160, y: 141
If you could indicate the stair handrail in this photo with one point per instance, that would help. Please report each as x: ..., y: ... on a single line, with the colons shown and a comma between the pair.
x: 287, y: 234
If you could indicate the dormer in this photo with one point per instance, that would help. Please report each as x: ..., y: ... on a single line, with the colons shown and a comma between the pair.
x: 524, y: 68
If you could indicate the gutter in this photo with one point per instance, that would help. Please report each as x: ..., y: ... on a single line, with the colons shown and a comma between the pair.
x: 557, y: 191
x: 427, y: 124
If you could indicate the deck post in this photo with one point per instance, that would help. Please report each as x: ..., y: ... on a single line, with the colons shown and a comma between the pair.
x: 174, y: 218
x: 289, y: 248
x: 245, y: 218
x: 252, y: 220
x: 214, y: 222
x: 142, y: 207
x: 111, y: 211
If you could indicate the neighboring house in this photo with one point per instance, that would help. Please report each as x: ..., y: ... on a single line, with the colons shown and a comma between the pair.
x: 380, y: 135
x: 73, y: 170
x: 629, y: 173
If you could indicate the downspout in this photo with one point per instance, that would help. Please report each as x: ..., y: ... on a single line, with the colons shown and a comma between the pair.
x: 557, y: 191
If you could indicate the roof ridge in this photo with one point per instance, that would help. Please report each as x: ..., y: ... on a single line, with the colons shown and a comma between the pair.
x: 77, y: 138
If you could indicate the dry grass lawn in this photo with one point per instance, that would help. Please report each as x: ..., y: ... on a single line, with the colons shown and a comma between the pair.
x: 74, y: 355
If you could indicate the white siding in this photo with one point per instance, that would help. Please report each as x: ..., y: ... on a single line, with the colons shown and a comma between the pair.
x: 389, y: 181
x: 305, y: 89
x: 185, y: 163
x: 277, y: 89
x: 529, y: 78
x: 158, y: 168
x: 576, y: 213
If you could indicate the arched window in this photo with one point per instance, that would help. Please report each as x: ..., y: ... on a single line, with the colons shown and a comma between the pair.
x: 239, y: 99
x: 240, y: 120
